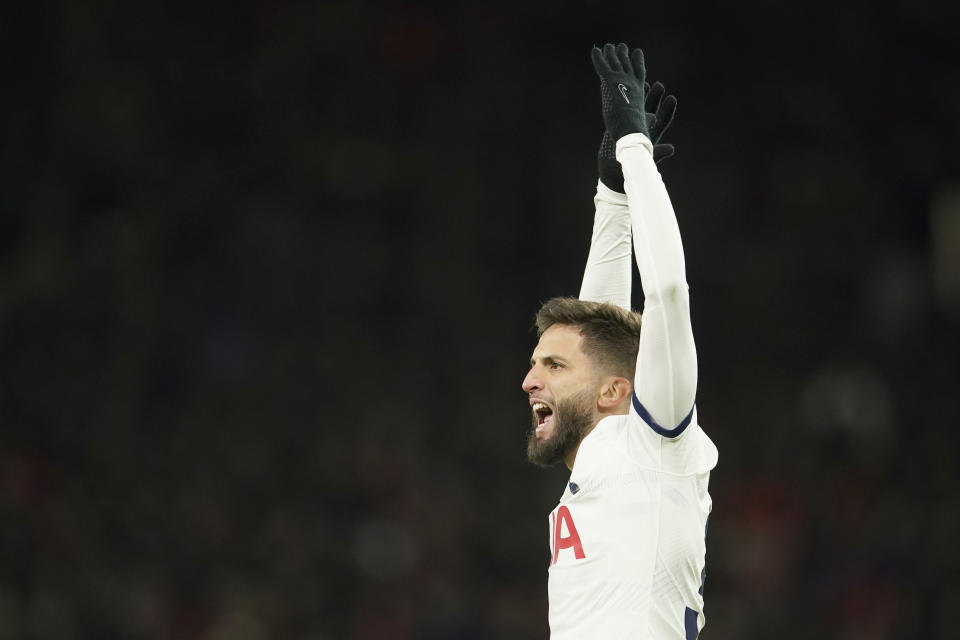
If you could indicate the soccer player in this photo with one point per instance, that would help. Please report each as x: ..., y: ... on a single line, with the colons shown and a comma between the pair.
x: 616, y: 403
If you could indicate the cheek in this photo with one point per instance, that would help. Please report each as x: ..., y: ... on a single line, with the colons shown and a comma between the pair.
x: 582, y: 391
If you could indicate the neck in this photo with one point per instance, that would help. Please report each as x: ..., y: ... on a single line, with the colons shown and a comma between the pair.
x: 572, y: 457
x: 621, y: 409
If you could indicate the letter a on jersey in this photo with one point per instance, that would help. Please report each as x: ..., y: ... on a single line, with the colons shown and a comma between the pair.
x: 572, y: 539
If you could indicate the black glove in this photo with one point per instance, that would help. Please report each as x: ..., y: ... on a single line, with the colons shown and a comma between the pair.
x: 659, y: 111
x: 622, y: 88
x: 664, y: 107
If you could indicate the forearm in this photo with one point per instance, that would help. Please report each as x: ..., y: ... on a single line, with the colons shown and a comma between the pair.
x: 607, y: 275
x: 666, y: 377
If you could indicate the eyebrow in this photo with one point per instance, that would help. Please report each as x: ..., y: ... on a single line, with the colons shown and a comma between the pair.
x: 547, y: 358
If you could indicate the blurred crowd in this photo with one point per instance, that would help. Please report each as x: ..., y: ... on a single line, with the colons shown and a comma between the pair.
x: 268, y: 277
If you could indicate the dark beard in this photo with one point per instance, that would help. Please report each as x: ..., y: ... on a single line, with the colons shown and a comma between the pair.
x: 571, y: 422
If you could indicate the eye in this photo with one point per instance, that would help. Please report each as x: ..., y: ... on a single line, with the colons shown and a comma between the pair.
x: 555, y: 366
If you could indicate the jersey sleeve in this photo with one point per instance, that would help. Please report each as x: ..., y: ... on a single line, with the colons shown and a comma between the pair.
x: 606, y: 277
x: 666, y: 378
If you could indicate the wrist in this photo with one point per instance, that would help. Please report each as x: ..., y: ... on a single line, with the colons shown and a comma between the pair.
x: 611, y: 174
x: 632, y: 140
x: 608, y: 196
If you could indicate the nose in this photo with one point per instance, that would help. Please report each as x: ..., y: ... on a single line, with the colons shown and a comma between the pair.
x: 532, y: 382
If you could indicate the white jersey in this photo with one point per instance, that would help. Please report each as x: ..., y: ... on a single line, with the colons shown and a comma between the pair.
x: 627, y: 548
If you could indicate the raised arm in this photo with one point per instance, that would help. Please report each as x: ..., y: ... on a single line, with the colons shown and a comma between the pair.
x: 607, y: 276
x: 666, y: 377
x: 665, y: 385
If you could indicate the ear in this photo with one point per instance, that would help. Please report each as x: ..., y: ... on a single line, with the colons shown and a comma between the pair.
x: 613, y: 391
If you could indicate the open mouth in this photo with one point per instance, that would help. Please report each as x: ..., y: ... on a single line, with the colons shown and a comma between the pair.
x: 542, y: 415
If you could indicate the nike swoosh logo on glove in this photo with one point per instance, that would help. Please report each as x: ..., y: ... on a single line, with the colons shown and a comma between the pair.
x: 623, y: 91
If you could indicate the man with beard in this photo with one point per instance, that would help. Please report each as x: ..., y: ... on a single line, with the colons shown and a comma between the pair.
x: 616, y: 404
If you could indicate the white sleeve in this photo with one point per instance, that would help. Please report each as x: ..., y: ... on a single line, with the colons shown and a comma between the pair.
x: 606, y: 277
x: 665, y: 385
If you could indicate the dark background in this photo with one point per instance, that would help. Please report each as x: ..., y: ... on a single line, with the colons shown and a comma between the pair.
x: 268, y: 273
